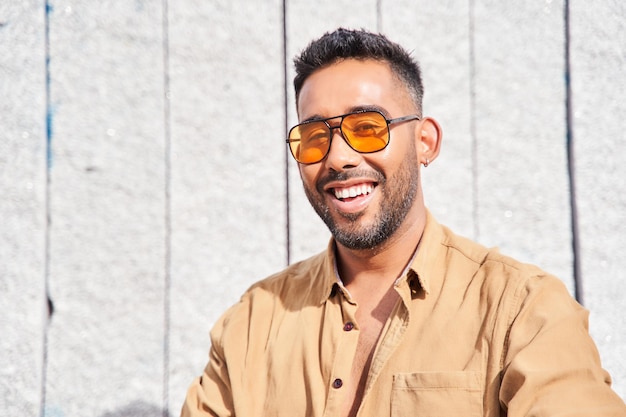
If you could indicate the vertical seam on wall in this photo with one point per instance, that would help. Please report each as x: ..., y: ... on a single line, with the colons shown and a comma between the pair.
x: 48, y: 301
x: 578, y: 283
x: 379, y: 16
x: 285, y: 128
x: 472, y: 121
x: 168, y: 207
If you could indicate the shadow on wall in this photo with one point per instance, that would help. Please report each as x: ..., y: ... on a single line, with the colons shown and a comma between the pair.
x: 138, y: 409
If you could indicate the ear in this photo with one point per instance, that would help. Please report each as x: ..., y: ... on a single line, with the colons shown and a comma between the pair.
x: 429, y: 140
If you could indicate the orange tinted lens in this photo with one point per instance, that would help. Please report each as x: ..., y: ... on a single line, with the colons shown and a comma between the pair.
x: 309, y: 142
x: 366, y: 132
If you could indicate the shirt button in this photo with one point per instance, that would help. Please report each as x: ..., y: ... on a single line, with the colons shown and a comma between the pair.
x: 337, y: 383
x: 348, y: 326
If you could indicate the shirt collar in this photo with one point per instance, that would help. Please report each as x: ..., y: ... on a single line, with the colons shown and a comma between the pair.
x: 422, y: 270
x: 331, y: 277
x: 419, y: 272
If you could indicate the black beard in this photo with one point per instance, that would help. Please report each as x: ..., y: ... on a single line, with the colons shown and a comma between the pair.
x: 395, y: 205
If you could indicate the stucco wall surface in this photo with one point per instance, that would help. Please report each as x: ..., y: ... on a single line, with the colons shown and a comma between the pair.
x: 145, y: 182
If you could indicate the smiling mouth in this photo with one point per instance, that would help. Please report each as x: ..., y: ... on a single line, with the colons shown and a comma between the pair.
x: 354, y: 191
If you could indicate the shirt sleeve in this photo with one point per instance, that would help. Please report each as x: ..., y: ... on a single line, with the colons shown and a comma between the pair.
x: 211, y: 393
x: 551, y: 365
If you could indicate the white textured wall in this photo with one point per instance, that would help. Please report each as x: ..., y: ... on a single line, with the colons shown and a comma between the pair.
x: 145, y: 182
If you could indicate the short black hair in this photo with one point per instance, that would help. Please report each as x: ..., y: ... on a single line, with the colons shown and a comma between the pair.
x: 360, y: 44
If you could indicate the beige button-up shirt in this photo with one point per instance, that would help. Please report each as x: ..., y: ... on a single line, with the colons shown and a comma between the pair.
x: 474, y: 333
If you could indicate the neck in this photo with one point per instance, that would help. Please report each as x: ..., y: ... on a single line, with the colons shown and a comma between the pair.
x: 379, y: 267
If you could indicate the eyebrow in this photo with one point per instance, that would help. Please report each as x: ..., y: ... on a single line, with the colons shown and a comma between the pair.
x: 353, y: 109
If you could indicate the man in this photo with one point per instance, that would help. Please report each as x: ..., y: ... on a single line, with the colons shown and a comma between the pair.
x: 399, y: 317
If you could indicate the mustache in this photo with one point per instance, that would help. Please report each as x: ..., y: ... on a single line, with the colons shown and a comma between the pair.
x: 378, y: 176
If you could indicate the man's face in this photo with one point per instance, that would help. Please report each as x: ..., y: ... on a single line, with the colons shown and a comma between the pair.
x: 363, y: 198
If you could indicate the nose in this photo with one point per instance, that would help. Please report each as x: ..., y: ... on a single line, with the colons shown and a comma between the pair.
x: 340, y: 155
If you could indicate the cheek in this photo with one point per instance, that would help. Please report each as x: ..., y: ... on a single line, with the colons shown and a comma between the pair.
x: 402, y: 148
x: 389, y: 159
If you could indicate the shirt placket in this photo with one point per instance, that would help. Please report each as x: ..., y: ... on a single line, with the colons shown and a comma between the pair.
x: 347, y: 334
x: 390, y: 337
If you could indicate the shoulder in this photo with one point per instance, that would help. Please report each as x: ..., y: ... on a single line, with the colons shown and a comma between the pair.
x: 299, y: 280
x: 300, y: 284
x: 498, y: 273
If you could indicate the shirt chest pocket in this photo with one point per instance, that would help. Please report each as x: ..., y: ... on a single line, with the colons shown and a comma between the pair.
x: 440, y: 394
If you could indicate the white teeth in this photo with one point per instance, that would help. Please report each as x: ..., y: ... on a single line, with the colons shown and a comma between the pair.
x: 353, y: 191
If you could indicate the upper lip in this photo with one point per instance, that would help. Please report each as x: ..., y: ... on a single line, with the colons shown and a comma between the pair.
x: 329, y: 187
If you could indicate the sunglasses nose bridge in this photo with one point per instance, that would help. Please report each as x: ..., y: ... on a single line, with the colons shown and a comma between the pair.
x: 332, y: 128
x: 337, y: 126
x: 340, y: 153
